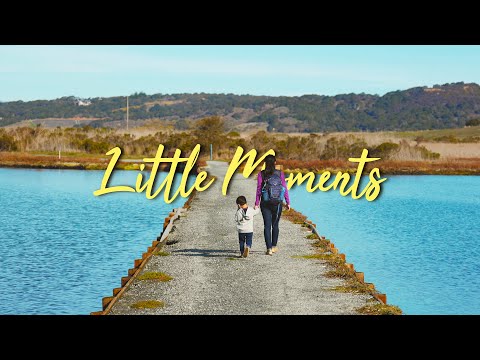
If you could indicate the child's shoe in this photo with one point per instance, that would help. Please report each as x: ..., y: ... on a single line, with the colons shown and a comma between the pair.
x: 246, y: 252
x: 269, y: 252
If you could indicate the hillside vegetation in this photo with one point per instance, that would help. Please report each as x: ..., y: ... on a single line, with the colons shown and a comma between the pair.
x: 85, y: 148
x: 421, y: 108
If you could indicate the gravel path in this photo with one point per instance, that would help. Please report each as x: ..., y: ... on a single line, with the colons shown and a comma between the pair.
x: 210, y: 278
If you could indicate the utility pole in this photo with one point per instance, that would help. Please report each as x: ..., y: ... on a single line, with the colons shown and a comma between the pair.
x: 127, y: 113
x: 211, y: 151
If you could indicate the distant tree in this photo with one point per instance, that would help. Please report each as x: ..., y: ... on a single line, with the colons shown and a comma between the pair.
x: 473, y: 122
x: 444, y: 106
x: 208, y: 131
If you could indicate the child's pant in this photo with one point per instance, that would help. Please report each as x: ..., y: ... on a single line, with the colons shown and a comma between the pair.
x: 245, y: 238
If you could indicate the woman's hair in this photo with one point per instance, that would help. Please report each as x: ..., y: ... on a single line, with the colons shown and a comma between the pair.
x: 270, y: 165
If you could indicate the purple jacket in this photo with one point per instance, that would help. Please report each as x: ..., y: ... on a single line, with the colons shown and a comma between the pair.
x: 259, y: 188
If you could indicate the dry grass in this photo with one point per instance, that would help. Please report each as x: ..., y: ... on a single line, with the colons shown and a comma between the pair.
x: 315, y: 165
x: 437, y: 167
x: 201, y: 162
x: 77, y: 161
x: 379, y: 309
x: 26, y: 160
x: 294, y: 216
x: 337, y: 268
x: 351, y: 286
x: 459, y: 133
x: 458, y: 143
x: 460, y: 166
x: 455, y: 151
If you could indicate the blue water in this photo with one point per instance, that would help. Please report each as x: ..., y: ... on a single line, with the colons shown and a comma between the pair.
x: 63, y: 249
x: 419, y: 241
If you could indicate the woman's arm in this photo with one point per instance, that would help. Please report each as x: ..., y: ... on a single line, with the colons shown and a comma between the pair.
x: 284, y: 183
x: 259, y: 189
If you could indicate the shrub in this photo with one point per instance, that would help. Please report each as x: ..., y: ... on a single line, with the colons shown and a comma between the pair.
x: 427, y: 154
x: 344, y: 148
x: 473, y: 122
x: 385, y: 150
x: 7, y: 142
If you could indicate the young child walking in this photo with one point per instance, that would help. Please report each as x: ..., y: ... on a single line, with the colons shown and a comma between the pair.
x: 244, y: 219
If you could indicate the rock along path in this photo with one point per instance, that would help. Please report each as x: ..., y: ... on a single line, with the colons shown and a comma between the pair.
x: 210, y: 278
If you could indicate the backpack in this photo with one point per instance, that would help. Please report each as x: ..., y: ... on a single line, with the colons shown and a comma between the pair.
x: 273, y: 191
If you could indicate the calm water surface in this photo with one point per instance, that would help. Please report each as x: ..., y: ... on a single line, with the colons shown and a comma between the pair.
x: 419, y: 241
x: 63, y: 249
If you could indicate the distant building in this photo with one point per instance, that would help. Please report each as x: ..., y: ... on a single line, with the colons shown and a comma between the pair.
x: 81, y: 102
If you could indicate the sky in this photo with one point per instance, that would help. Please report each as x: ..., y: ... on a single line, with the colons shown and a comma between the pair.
x: 49, y: 72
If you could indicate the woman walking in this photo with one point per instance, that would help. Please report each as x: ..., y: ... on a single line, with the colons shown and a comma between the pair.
x: 271, y: 191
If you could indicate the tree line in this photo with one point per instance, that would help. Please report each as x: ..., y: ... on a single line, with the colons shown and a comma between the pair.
x: 209, y: 130
x: 443, y: 106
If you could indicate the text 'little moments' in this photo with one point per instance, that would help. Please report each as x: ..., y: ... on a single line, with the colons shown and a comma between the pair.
x: 341, y: 180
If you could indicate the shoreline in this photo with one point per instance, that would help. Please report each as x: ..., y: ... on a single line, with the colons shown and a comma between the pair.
x: 81, y: 161
x: 77, y: 162
x: 130, y: 165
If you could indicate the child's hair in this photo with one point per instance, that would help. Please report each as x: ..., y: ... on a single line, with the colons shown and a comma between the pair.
x: 241, y: 200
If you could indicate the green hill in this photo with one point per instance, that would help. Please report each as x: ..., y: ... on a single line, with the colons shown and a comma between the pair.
x: 421, y: 108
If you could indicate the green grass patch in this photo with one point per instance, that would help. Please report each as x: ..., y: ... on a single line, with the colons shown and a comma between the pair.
x: 379, y: 309
x: 233, y: 258
x: 311, y: 236
x: 131, y: 167
x: 148, y: 304
x: 95, y: 167
x: 161, y: 253
x: 153, y: 275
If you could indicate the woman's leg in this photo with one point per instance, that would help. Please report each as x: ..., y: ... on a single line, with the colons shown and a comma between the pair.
x: 267, y: 225
x: 276, y: 220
